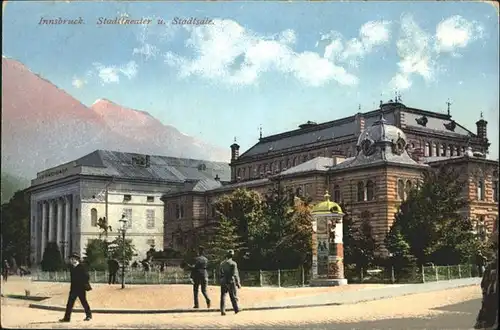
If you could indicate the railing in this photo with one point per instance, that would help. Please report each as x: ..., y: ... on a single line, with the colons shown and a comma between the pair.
x: 411, y: 274
x: 280, y: 278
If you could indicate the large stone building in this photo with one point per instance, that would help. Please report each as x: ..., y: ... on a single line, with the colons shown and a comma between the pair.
x: 368, y: 162
x: 68, y: 200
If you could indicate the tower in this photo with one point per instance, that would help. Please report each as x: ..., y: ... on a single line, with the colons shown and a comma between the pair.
x: 481, y: 128
x: 235, y: 150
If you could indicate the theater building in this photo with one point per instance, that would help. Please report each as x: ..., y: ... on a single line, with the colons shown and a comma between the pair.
x: 367, y: 161
x: 68, y: 200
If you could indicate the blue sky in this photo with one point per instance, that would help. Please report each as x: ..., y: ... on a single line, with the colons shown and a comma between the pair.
x: 271, y: 64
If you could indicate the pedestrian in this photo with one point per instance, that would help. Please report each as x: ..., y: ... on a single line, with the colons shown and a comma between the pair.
x: 113, y: 267
x: 229, y: 282
x: 78, y: 289
x: 5, y: 270
x: 488, y: 314
x: 199, y: 277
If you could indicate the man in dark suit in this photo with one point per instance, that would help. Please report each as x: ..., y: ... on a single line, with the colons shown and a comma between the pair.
x: 199, y: 277
x: 229, y: 282
x: 78, y: 289
x: 113, y: 267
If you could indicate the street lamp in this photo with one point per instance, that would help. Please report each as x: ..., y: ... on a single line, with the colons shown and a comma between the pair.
x: 393, y: 277
x: 123, y: 229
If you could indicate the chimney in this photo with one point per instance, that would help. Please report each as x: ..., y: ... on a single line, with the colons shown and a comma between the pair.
x: 481, y: 128
x: 360, y: 123
x: 235, y: 150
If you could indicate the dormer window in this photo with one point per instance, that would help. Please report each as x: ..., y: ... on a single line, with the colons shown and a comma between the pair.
x: 127, y: 198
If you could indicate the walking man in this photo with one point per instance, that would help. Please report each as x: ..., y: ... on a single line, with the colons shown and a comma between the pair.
x: 5, y: 270
x: 229, y: 282
x: 199, y: 277
x: 488, y: 314
x: 113, y: 267
x: 78, y: 289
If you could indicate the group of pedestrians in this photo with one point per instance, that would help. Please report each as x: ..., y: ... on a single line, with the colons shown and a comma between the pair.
x: 229, y: 282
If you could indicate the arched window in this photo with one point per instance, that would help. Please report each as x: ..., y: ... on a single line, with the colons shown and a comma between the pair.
x: 458, y: 151
x: 336, y: 193
x: 408, y: 188
x: 93, y: 217
x: 427, y: 150
x: 294, y: 161
x: 401, y: 190
x: 304, y: 158
x: 442, y: 150
x: 434, y: 150
x: 259, y: 170
x: 238, y: 173
x: 480, y: 190
x: 288, y: 163
x: 361, y: 191
x: 244, y: 174
x: 370, y: 190
x: 450, y: 150
x: 495, y: 191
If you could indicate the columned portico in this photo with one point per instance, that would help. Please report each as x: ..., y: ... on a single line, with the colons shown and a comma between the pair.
x: 54, y: 223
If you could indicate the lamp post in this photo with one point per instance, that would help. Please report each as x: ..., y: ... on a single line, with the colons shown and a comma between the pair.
x: 123, y: 229
x: 393, y: 277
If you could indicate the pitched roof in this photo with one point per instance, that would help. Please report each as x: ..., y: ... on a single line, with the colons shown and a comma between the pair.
x: 321, y: 164
x: 127, y: 165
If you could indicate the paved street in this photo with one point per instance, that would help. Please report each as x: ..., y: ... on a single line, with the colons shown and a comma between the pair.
x: 446, y: 309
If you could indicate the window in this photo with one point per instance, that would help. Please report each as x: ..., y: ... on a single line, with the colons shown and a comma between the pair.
x: 480, y: 190
x: 182, y: 211
x: 238, y: 173
x: 452, y: 150
x: 93, y: 217
x: 481, y: 229
x: 370, y: 187
x: 401, y: 190
x: 128, y: 216
x: 127, y: 198
x: 442, y: 150
x: 457, y: 151
x: 150, y: 199
x: 177, y: 211
x: 408, y: 188
x: 150, y: 219
x: 213, y: 211
x: 427, y: 150
x: 150, y: 242
x: 304, y: 158
x: 361, y: 191
x: 434, y: 150
x: 336, y: 193
x: 495, y: 191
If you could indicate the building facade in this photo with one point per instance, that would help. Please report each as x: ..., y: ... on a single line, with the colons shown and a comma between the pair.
x: 368, y: 162
x: 67, y: 201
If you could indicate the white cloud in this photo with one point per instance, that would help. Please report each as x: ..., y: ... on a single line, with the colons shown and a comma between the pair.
x: 78, y: 83
x: 111, y: 74
x: 456, y: 32
x: 371, y: 35
x: 419, y: 51
x: 227, y: 52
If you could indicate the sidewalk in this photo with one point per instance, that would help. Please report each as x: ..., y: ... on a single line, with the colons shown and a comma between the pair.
x: 330, y: 298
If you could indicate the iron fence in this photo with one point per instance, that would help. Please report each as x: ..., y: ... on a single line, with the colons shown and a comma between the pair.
x: 281, y: 278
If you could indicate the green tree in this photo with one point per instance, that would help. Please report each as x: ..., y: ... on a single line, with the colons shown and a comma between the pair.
x: 297, y: 238
x: 118, y: 245
x: 225, y: 238
x: 52, y: 260
x: 16, y: 228
x: 430, y: 220
x: 96, y: 255
x: 400, y: 256
x: 360, y: 243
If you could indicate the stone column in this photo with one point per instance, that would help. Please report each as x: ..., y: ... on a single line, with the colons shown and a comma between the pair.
x: 67, y: 224
x: 59, y: 227
x: 43, y: 240
x: 51, y: 221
